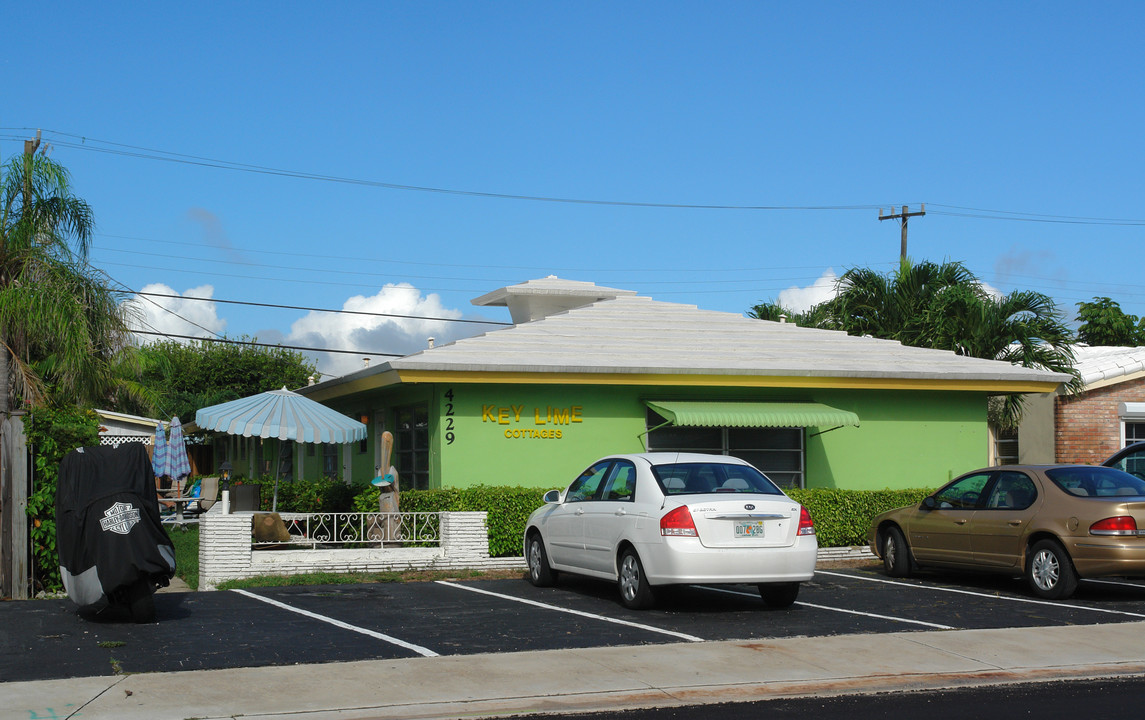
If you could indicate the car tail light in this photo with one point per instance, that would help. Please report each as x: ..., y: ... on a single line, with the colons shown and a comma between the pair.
x: 678, y: 522
x: 1121, y: 525
x: 806, y: 527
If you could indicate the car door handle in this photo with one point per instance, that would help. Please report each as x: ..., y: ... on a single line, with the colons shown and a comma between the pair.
x: 580, y: 511
x: 1015, y: 523
x: 960, y: 521
x: 621, y: 512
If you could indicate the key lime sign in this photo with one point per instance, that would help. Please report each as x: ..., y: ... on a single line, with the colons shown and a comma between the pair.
x: 532, y: 423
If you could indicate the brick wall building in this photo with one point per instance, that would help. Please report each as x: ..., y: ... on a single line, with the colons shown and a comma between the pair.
x: 1091, y: 426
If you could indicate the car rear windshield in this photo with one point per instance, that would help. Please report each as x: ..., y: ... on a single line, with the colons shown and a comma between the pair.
x: 1097, y: 482
x: 701, y: 478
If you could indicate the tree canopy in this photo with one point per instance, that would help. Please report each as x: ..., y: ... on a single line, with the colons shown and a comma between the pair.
x: 186, y: 377
x: 62, y: 329
x: 1104, y: 323
x: 944, y: 306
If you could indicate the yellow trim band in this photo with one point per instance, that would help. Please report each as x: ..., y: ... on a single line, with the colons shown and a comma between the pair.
x: 783, y: 381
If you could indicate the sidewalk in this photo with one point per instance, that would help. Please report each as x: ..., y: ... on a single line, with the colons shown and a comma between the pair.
x: 598, y: 679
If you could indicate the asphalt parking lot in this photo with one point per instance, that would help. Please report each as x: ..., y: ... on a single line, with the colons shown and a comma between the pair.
x: 47, y: 639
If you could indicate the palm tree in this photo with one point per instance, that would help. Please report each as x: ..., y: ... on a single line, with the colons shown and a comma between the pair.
x: 61, y: 327
x: 944, y: 306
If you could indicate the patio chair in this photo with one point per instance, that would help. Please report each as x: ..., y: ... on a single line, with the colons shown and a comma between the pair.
x: 208, y: 492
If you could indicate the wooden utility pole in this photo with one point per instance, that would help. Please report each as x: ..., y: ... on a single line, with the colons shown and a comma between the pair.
x: 14, y: 559
x: 903, y: 216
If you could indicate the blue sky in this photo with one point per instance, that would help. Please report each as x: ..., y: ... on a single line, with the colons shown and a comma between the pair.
x: 1033, y: 112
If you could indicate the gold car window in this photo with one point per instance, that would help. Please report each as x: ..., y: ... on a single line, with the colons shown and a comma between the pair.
x: 963, y: 493
x: 1012, y: 491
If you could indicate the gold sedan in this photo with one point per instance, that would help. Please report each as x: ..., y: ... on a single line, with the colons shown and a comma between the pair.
x: 1053, y: 524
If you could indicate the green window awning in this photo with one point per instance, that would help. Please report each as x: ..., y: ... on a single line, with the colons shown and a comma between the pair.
x: 752, y: 414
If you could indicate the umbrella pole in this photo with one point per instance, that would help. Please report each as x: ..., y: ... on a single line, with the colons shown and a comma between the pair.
x: 277, y: 472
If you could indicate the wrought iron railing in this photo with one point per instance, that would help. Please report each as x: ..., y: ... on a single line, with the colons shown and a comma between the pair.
x: 414, y: 529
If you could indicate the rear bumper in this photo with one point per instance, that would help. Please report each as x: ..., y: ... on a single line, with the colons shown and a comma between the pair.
x: 679, y: 560
x: 1108, y: 556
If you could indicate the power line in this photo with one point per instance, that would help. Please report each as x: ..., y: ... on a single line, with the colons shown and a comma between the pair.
x: 228, y: 341
x: 326, y: 310
x: 166, y: 156
x: 547, y: 269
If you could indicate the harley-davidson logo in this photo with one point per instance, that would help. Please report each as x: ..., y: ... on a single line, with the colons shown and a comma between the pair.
x: 120, y: 518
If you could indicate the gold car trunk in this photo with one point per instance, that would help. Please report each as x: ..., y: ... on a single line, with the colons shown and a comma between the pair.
x: 746, y: 521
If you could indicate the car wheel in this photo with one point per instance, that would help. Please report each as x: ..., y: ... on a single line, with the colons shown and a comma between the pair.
x: 896, y: 555
x: 779, y: 595
x: 540, y: 573
x: 635, y: 592
x: 1049, y: 571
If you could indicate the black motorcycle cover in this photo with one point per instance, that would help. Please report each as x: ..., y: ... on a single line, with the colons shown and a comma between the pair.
x: 108, y: 533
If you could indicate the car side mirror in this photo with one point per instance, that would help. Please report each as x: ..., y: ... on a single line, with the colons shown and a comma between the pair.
x: 929, y: 503
x: 552, y: 497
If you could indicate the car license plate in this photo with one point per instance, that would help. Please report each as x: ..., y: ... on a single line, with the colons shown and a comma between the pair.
x: 749, y: 529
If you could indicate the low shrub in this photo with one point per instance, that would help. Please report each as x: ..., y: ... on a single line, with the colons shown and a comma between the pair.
x: 308, y: 495
x: 842, y: 517
x: 508, y: 508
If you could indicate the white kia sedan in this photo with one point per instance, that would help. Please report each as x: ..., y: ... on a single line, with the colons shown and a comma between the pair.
x: 655, y: 519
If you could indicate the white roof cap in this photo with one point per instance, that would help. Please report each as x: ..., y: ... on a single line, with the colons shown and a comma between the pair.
x: 541, y: 298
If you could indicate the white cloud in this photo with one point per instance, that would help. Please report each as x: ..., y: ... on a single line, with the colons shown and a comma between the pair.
x: 175, y: 315
x: 398, y: 335
x: 803, y: 299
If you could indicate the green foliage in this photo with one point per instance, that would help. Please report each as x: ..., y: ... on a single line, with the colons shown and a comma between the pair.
x: 52, y: 433
x: 508, y: 508
x: 186, y: 377
x: 944, y: 306
x: 320, y: 495
x: 1104, y: 324
x: 61, y: 327
x: 842, y: 517
x: 186, y: 541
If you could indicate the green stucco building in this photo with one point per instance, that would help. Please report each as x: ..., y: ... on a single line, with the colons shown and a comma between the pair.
x: 587, y: 371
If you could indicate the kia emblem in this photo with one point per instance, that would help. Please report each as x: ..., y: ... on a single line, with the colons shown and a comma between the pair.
x: 749, y: 506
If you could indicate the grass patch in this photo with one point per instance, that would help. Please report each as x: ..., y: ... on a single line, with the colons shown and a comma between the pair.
x: 112, y: 644
x: 186, y: 542
x: 322, y: 578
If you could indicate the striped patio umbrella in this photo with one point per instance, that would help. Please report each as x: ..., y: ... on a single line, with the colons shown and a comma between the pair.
x: 179, y: 463
x: 284, y: 415
x: 161, y: 455
x: 281, y: 414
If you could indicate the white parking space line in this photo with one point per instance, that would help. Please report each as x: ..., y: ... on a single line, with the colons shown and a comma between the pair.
x: 425, y: 652
x: 835, y: 609
x: 1122, y: 583
x: 534, y: 603
x: 983, y: 595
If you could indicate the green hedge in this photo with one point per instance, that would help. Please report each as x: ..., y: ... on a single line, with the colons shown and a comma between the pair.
x: 508, y: 508
x: 842, y: 517
x: 305, y: 496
